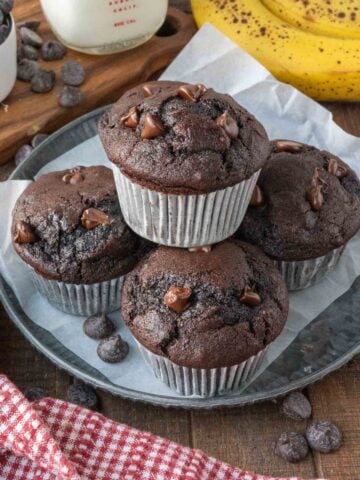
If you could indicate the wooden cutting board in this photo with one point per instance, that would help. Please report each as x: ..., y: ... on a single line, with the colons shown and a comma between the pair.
x: 24, y: 113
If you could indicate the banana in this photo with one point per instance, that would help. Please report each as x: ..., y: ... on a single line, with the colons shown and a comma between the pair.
x: 299, y: 41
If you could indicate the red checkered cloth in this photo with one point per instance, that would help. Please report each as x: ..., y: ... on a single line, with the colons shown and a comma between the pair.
x: 51, y: 440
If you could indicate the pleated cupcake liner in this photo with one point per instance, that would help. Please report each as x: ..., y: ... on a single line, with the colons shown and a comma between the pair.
x: 201, y: 382
x: 80, y: 299
x: 183, y: 220
x: 305, y: 273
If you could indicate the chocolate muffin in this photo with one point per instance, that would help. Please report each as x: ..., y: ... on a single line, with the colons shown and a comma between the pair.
x: 306, y: 207
x: 169, y: 141
x: 68, y: 227
x: 205, y: 310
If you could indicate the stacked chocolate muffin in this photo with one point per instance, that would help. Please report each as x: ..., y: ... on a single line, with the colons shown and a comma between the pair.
x: 186, y: 160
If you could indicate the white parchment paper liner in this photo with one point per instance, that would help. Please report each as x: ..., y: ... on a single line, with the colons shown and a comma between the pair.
x: 80, y: 299
x: 285, y: 113
x: 183, y: 220
x: 302, y: 274
x: 201, y: 382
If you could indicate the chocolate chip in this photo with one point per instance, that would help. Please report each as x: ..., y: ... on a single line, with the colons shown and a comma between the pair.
x: 31, y: 24
x: 4, y: 32
x: 52, y: 50
x: 73, y: 178
x: 92, y: 217
x: 257, y: 197
x: 29, y: 52
x: 296, y: 406
x: 98, y: 326
x: 38, y: 139
x: 249, y: 297
x: 70, y: 97
x: 29, y: 37
x: 291, y: 447
x: 6, y: 5
x: 336, y: 169
x: 83, y: 395
x: 22, y: 154
x: 288, y: 146
x: 228, y: 124
x: 112, y: 349
x: 152, y: 127
x: 43, y: 81
x: 315, y: 197
x: 324, y: 437
x: 131, y: 119
x: 191, y: 92
x: 147, y: 90
x: 177, y: 298
x: 204, y: 249
x: 35, y: 393
x: 27, y: 69
x: 72, y: 73
x: 24, y: 233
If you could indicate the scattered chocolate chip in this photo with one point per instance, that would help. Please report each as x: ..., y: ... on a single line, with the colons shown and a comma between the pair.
x: 29, y: 52
x: 39, y: 138
x: 98, y: 326
x: 6, y: 5
x: 228, y: 124
x: 31, y: 24
x: 191, y: 92
x: 147, y: 90
x: 152, y: 127
x: 177, y: 298
x: 43, y: 81
x: 336, y: 169
x: 27, y: 69
x: 296, y: 406
x: 288, y: 146
x: 35, y: 393
x: 315, y: 197
x: 257, y: 197
x: 73, y: 178
x: 24, y: 233
x: 83, y: 395
x: 324, y: 437
x: 249, y: 297
x: 4, y: 32
x: 22, y: 154
x: 29, y: 37
x: 70, y: 97
x: 52, y: 50
x: 131, y: 119
x: 291, y: 447
x: 204, y: 249
x: 72, y: 73
x: 112, y: 349
x: 92, y: 217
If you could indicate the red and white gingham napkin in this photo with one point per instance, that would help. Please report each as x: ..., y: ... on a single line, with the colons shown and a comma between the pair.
x: 51, y: 440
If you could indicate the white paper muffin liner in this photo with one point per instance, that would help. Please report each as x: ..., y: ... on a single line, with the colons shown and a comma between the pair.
x: 80, y: 299
x: 305, y: 273
x: 183, y: 220
x: 202, y: 382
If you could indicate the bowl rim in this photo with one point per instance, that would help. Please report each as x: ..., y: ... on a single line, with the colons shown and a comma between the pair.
x: 11, y: 31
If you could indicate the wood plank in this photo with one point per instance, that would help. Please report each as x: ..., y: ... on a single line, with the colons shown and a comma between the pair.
x: 336, y: 398
x: 106, y: 78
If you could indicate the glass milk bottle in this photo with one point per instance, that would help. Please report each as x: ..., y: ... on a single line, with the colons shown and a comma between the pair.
x: 104, y: 26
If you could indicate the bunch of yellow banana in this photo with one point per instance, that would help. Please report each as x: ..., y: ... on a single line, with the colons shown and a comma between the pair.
x: 311, y: 44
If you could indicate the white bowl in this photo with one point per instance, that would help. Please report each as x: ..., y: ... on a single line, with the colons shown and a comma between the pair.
x: 8, y: 62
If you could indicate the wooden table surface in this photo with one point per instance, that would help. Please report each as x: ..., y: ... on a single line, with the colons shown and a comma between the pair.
x: 240, y: 436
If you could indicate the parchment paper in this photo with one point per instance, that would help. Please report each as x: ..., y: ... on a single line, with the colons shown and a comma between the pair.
x: 212, y: 59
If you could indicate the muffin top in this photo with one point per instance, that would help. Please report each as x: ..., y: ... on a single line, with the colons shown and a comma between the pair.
x: 68, y: 226
x: 306, y: 203
x: 205, y: 309
x: 184, y: 139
